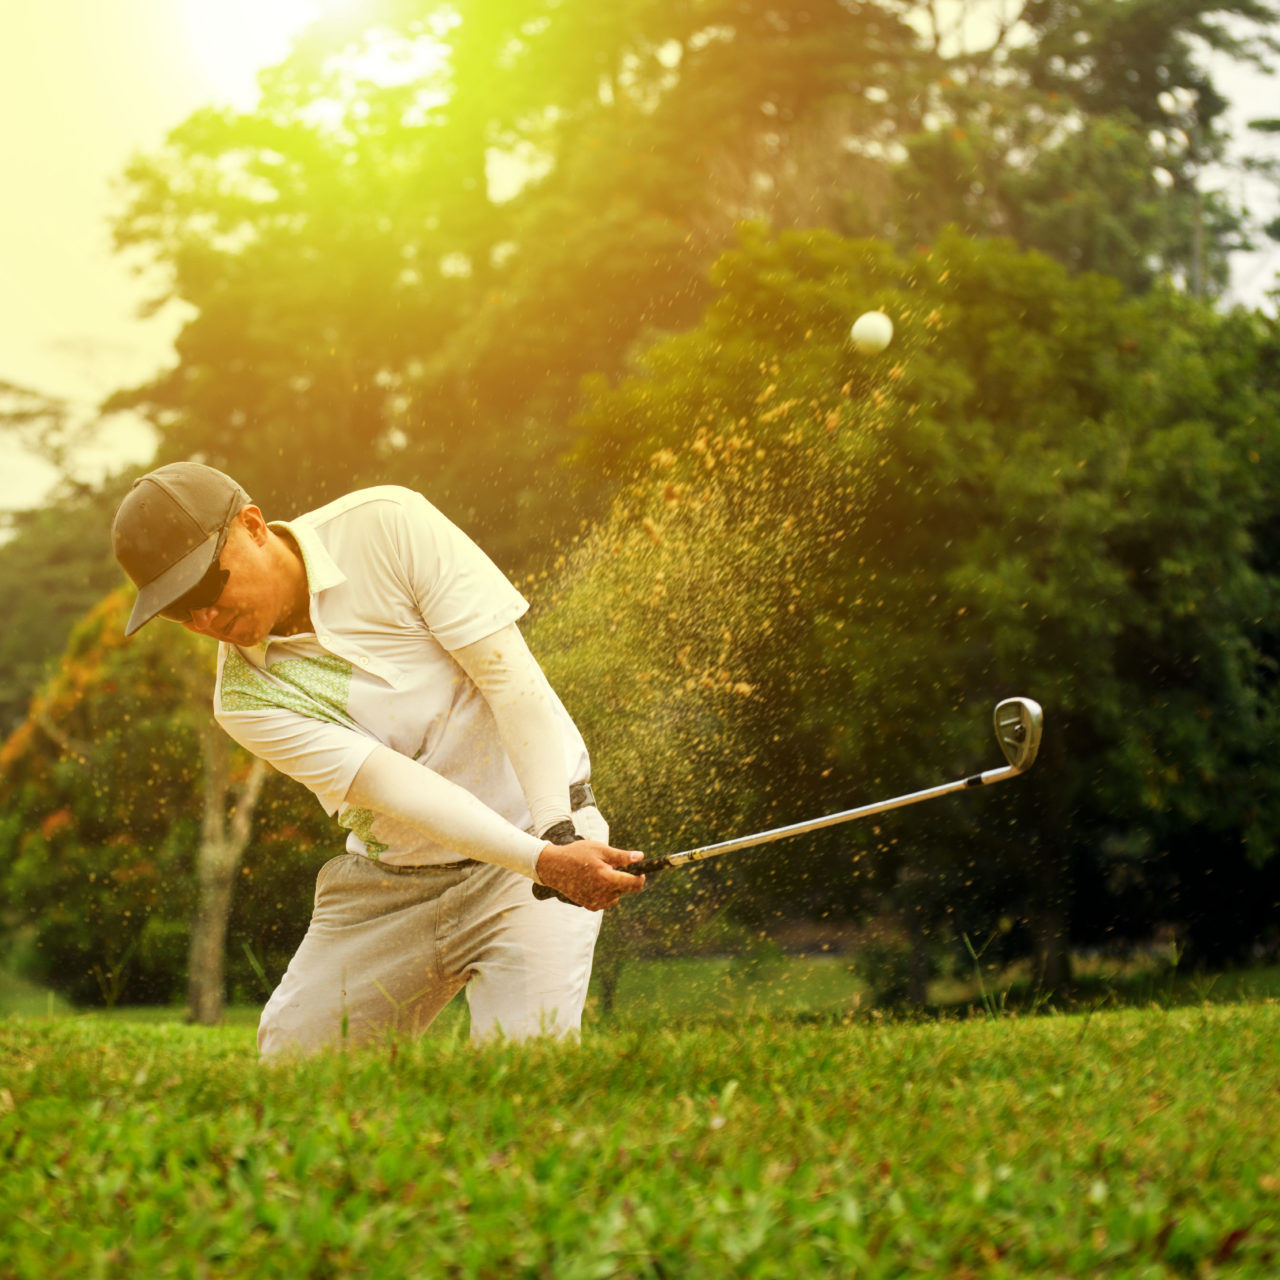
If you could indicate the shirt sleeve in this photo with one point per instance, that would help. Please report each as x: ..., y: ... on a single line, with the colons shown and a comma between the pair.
x: 513, y: 685
x: 393, y: 785
x: 461, y: 594
x: 323, y: 754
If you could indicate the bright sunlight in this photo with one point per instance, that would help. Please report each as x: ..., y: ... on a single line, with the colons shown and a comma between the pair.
x: 234, y: 39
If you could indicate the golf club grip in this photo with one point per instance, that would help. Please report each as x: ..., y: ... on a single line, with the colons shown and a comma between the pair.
x: 648, y: 867
x: 544, y: 891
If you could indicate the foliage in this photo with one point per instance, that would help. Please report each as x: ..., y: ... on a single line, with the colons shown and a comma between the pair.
x: 822, y: 571
x: 1063, y: 1146
x: 56, y: 564
x: 359, y: 275
x: 1116, y: 57
x: 1087, y: 131
x: 1041, y: 488
x: 55, y: 560
x: 440, y: 218
x: 445, y: 228
x: 41, y: 426
x: 1087, y: 195
x: 103, y: 818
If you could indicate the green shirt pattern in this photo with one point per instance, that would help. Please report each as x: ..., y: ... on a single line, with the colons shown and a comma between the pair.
x: 313, y: 687
x: 360, y: 823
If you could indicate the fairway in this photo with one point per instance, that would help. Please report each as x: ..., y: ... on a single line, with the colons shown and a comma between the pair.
x: 556, y: 449
x: 1132, y: 1142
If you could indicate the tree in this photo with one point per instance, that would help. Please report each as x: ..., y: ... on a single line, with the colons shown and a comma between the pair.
x: 440, y: 219
x: 128, y: 819
x: 227, y: 811
x: 53, y: 568
x: 1042, y: 487
x: 370, y: 302
x: 365, y: 299
x: 1057, y: 130
x: 55, y: 560
x: 41, y: 425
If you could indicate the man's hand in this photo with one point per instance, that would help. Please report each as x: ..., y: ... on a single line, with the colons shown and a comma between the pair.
x: 584, y: 872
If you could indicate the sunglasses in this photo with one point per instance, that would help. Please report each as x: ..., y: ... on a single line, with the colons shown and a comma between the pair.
x: 210, y: 587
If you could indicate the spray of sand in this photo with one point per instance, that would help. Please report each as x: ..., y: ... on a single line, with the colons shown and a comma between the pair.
x: 681, y: 630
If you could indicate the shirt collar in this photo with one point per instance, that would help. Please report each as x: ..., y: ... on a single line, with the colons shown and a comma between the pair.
x: 321, y: 568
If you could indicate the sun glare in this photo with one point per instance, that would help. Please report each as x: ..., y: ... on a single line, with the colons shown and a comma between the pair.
x: 234, y: 39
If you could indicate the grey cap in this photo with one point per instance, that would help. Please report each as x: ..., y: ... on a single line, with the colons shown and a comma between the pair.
x: 169, y: 530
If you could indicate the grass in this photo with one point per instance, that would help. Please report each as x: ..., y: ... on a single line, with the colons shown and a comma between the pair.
x: 1136, y: 1142
x: 694, y: 988
x: 17, y: 996
x: 697, y: 989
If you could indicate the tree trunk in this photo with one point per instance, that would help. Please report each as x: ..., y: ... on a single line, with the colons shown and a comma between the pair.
x: 1049, y: 916
x: 207, y: 953
x: 912, y: 894
x: 227, y: 820
x: 611, y: 953
x: 918, y: 973
x: 1050, y: 949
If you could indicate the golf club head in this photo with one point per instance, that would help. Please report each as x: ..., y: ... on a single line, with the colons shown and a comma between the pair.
x: 1019, y: 724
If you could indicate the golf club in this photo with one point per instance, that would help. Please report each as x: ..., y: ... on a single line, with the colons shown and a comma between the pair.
x: 1019, y: 724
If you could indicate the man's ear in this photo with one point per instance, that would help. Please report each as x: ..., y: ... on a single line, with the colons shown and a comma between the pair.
x: 255, y: 524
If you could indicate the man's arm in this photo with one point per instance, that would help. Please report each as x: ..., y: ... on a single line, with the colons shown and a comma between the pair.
x: 512, y: 683
x: 391, y: 783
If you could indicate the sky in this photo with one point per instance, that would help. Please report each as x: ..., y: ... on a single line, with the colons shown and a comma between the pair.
x: 85, y: 85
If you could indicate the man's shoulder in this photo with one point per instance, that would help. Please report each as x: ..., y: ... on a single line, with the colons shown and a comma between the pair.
x: 363, y: 504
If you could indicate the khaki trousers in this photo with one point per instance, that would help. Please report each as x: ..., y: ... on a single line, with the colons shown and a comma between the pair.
x: 389, y: 947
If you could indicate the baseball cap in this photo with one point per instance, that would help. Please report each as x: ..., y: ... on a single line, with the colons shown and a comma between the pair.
x: 169, y: 530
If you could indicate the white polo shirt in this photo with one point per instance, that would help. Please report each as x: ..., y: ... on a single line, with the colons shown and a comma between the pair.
x: 394, y: 587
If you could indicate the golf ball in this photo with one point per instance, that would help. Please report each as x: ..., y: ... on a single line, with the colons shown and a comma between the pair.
x: 871, y: 332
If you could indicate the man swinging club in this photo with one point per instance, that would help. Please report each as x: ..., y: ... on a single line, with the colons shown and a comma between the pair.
x: 369, y: 649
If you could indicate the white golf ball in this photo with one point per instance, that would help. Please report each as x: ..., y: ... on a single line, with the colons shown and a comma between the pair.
x: 872, y: 332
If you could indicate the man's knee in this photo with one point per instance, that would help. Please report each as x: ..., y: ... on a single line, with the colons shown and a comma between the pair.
x: 287, y: 1030
x: 271, y: 1043
x: 547, y: 1022
x: 274, y: 1041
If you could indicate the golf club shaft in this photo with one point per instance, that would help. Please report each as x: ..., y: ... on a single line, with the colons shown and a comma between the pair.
x: 1019, y: 723
x: 816, y: 824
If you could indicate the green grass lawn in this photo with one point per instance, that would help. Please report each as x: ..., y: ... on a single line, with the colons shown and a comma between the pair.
x: 699, y: 988
x: 1134, y: 1142
x: 696, y: 988
x: 18, y: 996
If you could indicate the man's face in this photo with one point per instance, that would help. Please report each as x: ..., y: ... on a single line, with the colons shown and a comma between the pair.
x: 254, y: 598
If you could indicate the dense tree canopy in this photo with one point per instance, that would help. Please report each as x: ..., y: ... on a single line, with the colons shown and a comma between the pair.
x: 106, y: 795
x: 584, y: 274
x: 1043, y: 487
x: 55, y: 561
x: 440, y: 218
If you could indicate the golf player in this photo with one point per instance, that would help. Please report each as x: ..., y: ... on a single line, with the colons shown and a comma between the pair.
x: 369, y: 649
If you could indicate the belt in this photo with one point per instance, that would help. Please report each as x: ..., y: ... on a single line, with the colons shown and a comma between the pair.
x: 581, y: 796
